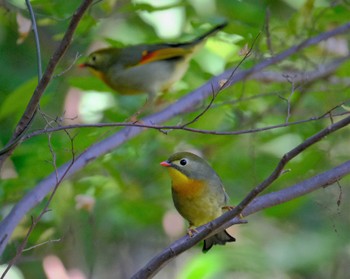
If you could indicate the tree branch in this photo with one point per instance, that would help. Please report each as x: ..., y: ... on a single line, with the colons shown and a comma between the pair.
x: 164, y: 128
x: 259, y: 203
x: 36, y: 220
x: 185, y: 104
x: 229, y: 218
x: 302, y: 77
x: 32, y: 107
x: 266, y: 76
x: 36, y: 36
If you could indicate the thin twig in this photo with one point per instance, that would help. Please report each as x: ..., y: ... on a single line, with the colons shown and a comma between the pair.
x: 41, y: 244
x: 155, y: 264
x: 77, y: 56
x: 37, y: 41
x: 184, y: 127
x: 185, y: 104
x: 15, y: 140
x: 33, y: 104
x: 36, y: 220
x: 223, y: 85
x: 289, y: 99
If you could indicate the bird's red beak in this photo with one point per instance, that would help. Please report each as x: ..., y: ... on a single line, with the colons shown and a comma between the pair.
x: 165, y: 164
x: 83, y: 65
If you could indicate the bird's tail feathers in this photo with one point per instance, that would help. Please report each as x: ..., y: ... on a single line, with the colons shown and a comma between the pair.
x: 198, y: 42
x: 218, y: 239
x: 209, y: 33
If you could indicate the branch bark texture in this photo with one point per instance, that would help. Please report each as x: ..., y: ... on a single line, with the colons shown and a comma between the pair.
x: 229, y: 218
x: 185, y: 104
x: 33, y: 104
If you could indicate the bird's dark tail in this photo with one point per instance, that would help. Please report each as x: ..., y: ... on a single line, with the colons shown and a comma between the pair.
x: 220, y: 238
x: 198, y: 41
x: 209, y: 33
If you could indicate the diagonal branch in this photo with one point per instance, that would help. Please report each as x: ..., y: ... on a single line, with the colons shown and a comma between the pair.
x: 227, y: 219
x: 36, y: 220
x: 32, y: 107
x: 185, y: 104
x: 269, y: 200
x: 267, y: 76
x: 321, y: 71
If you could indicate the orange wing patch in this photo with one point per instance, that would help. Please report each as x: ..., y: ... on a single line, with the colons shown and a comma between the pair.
x: 162, y: 54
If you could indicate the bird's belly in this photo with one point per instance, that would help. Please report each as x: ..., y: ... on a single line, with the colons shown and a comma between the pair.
x: 149, y: 78
x: 199, y: 210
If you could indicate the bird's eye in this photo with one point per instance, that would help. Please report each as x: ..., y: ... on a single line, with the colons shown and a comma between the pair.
x: 183, y: 162
x: 93, y: 58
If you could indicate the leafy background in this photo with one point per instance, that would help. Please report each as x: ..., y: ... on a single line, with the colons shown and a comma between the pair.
x: 127, y: 215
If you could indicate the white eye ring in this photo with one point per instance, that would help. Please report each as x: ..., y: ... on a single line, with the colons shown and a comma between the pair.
x: 183, y: 162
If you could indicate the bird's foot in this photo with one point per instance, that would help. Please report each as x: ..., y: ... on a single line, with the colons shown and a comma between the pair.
x: 231, y: 207
x: 191, y: 231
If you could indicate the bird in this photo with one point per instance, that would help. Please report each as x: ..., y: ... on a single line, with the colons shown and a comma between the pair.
x: 198, y: 194
x: 145, y: 68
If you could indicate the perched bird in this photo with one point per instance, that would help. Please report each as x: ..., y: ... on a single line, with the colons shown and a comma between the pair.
x: 144, y: 68
x: 198, y: 194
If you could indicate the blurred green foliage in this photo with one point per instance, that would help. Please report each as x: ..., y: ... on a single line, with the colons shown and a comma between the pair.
x: 108, y: 217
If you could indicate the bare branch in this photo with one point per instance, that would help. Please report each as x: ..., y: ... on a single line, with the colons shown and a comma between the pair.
x: 229, y: 218
x: 36, y: 36
x: 322, y: 70
x: 185, y: 104
x: 36, y: 220
x: 259, y: 203
x: 41, y: 244
x: 77, y: 56
x: 223, y: 84
x: 164, y: 128
x: 31, y: 108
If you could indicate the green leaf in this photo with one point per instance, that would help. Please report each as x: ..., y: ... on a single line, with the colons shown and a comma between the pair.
x: 16, y: 101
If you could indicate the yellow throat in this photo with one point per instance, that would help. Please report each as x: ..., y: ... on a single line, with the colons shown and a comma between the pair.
x: 185, y: 186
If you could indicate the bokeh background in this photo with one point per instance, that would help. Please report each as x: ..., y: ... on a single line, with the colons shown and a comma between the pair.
x: 110, y: 218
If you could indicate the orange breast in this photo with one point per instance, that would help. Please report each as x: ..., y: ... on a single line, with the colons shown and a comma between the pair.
x: 193, y: 199
x: 184, y: 186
